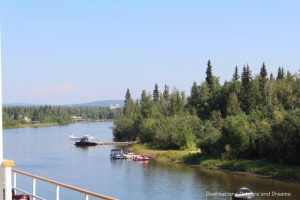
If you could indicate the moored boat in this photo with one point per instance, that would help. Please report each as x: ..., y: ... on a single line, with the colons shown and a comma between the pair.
x: 129, y: 155
x: 141, y: 158
x: 73, y: 137
x: 117, y: 154
x: 84, y: 142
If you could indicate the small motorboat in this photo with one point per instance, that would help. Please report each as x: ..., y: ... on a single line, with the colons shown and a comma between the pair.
x: 117, y: 154
x: 84, y: 142
x: 129, y: 155
x: 141, y: 158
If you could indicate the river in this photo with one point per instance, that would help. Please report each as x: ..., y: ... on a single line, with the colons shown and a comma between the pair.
x: 47, y: 151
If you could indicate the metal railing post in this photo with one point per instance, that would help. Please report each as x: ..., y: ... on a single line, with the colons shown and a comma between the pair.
x: 86, y: 197
x: 57, y: 192
x: 7, y: 165
x: 33, y: 188
x: 15, y: 182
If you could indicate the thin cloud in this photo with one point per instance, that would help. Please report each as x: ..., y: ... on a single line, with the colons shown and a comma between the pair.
x: 48, y: 91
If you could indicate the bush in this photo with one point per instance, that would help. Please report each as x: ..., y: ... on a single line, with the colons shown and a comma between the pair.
x: 236, y: 133
x: 286, y: 139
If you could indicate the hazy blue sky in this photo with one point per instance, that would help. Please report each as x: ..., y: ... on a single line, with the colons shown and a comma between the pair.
x: 63, y: 51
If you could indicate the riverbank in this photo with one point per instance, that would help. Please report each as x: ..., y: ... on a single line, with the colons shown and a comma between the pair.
x: 248, y: 167
x: 20, y: 125
x: 33, y: 125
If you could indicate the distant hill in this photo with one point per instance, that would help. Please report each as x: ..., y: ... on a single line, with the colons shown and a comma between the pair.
x: 104, y: 103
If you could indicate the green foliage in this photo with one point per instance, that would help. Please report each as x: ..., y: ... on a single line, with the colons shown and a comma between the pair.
x: 128, y: 109
x: 15, y: 116
x: 255, y: 118
x: 177, y: 104
x: 247, y: 91
x: 125, y: 129
x: 156, y: 93
x: 286, y: 138
x: 233, y: 105
x: 175, y: 132
x: 236, y: 132
x: 280, y: 73
x: 166, y: 93
x: 262, y: 84
x: 208, y: 138
x: 209, y: 76
x: 236, y: 75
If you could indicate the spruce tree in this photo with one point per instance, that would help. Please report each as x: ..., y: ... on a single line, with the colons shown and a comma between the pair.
x: 193, y: 99
x: 280, y: 73
x: 156, y: 93
x: 247, y: 99
x: 262, y: 84
x: 236, y: 75
x: 128, y: 104
x: 209, y: 76
x: 166, y: 93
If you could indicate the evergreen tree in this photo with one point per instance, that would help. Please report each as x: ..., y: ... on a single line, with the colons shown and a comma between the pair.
x: 127, y: 96
x: 209, y: 76
x: 147, y: 107
x: 271, y: 77
x: 166, y: 93
x: 193, y: 99
x: 16, y: 116
x: 262, y: 84
x: 247, y: 101
x: 236, y: 75
x: 280, y: 73
x: 176, y: 103
x: 35, y: 116
x: 289, y: 75
x: 203, y: 110
x: 128, y: 109
x: 156, y: 93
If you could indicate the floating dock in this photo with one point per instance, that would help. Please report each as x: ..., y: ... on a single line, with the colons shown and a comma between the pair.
x: 116, y: 143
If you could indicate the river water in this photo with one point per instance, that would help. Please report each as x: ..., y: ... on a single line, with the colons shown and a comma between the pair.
x: 47, y: 151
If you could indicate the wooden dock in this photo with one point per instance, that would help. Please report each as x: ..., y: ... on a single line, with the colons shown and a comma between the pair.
x: 116, y: 143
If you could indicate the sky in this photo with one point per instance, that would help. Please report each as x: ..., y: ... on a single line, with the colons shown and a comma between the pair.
x: 75, y: 51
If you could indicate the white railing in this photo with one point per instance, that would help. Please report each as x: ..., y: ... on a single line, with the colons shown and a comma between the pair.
x: 58, y: 185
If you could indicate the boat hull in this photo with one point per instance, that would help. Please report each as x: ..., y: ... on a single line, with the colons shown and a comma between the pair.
x: 85, y: 144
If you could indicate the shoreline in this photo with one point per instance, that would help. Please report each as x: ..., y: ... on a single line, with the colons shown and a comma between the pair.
x: 46, y: 124
x: 257, y: 168
x: 34, y: 125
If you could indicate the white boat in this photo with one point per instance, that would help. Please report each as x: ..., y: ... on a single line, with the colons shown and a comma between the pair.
x: 129, y: 155
x: 89, y: 137
x: 73, y: 137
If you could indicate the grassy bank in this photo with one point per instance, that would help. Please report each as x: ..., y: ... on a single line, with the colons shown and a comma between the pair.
x: 251, y: 167
x: 33, y: 125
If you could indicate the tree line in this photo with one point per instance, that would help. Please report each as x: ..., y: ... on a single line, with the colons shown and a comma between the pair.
x: 14, y: 116
x: 255, y: 117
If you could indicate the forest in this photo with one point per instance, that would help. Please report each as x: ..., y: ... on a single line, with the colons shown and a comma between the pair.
x: 17, y: 116
x: 248, y: 117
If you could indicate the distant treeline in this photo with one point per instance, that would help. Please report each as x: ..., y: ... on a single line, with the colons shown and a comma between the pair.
x: 14, y: 116
x: 256, y: 117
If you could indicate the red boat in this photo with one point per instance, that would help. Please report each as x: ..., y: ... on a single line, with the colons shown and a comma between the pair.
x: 141, y: 158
